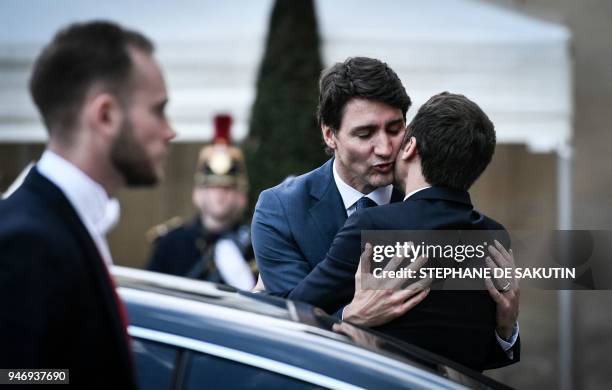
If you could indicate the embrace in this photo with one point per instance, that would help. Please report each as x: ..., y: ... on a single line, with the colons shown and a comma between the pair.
x: 307, y: 230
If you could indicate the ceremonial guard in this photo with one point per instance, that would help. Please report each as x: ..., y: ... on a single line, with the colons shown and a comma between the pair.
x: 216, y: 244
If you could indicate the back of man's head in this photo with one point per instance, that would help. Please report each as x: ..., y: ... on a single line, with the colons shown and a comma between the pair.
x: 358, y: 77
x: 455, y: 140
x: 79, y: 57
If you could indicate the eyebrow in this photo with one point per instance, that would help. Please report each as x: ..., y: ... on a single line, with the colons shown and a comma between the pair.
x: 373, y: 126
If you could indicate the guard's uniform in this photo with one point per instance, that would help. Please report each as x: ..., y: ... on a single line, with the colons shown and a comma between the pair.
x: 189, y: 250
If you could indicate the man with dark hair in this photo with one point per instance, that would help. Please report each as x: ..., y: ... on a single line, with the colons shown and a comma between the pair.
x: 358, y: 78
x: 101, y: 95
x: 447, y: 146
x: 456, y: 141
x: 362, y: 113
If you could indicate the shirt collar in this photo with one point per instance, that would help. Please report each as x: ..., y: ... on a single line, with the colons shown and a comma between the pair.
x: 415, y: 191
x: 89, y: 199
x: 381, y: 195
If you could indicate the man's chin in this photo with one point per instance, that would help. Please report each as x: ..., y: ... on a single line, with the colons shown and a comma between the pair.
x: 141, y: 178
x: 380, y: 180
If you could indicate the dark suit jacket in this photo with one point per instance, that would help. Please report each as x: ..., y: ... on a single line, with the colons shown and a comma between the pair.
x: 456, y: 324
x: 294, y: 225
x: 57, y: 305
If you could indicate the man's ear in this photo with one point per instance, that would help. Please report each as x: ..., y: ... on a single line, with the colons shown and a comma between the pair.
x: 103, y: 114
x: 329, y: 137
x: 409, y: 150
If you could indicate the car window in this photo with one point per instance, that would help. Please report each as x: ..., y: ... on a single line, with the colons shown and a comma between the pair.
x: 154, y: 364
x: 212, y: 372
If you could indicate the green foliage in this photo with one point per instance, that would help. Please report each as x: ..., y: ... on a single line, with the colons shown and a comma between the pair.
x: 284, y: 137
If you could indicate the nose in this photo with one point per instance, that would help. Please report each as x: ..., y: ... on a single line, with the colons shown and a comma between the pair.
x: 170, y: 134
x: 383, y: 146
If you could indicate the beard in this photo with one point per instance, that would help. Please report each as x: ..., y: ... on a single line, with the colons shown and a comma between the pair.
x: 131, y: 160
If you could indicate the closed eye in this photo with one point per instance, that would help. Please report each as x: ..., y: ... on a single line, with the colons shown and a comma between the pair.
x: 395, y: 127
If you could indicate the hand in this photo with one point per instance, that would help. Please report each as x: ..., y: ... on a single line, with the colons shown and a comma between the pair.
x: 505, y: 292
x: 259, y: 286
x: 376, y: 307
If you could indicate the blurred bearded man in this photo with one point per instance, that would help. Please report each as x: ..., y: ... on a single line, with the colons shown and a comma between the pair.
x: 102, y: 96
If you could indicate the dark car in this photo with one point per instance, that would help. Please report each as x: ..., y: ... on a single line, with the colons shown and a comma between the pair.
x: 188, y: 334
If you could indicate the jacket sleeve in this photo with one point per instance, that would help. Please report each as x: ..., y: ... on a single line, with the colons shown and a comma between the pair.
x: 281, y: 262
x: 497, y: 357
x: 331, y: 284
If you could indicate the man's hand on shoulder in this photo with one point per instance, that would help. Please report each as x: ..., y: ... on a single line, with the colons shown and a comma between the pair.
x: 383, y: 301
x: 504, y: 292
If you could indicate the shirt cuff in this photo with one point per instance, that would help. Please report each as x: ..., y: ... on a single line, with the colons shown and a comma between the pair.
x: 507, y: 345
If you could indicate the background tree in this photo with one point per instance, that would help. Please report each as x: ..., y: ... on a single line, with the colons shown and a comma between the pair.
x: 284, y: 137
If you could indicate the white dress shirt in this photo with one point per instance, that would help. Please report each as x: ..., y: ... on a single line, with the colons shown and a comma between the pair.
x: 96, y: 210
x: 350, y: 196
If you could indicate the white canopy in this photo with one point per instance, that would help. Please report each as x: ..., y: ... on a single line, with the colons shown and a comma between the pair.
x: 517, y: 68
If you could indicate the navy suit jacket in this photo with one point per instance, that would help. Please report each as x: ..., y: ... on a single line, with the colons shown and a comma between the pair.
x: 294, y: 225
x: 457, y: 324
x: 56, y: 301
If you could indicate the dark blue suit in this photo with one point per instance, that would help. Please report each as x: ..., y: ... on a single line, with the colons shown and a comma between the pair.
x: 457, y: 324
x: 294, y: 225
x: 56, y: 301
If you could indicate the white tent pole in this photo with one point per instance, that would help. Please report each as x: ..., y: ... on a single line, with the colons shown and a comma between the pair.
x: 565, y: 297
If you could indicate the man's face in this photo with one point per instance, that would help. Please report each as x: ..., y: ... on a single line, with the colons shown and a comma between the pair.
x: 142, y: 145
x: 220, y: 203
x: 367, y: 143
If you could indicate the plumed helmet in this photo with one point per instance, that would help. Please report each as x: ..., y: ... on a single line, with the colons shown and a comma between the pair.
x: 220, y: 163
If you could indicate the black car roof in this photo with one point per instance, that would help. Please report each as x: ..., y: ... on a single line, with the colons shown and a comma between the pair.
x: 201, y: 291
x: 316, y: 320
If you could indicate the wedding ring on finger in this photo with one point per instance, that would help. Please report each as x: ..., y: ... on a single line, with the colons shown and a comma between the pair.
x: 505, y: 289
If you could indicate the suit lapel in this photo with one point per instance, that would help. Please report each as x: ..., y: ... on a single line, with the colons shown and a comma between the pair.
x: 58, y: 202
x: 327, y: 213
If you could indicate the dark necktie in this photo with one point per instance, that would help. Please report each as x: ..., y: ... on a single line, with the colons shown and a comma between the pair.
x: 364, y: 202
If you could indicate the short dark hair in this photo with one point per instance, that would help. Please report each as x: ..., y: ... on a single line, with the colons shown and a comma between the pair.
x: 358, y: 77
x: 455, y: 140
x: 79, y: 56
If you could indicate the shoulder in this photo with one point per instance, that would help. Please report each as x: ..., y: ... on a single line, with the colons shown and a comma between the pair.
x: 174, y: 227
x: 501, y: 234
x: 492, y: 224
x: 26, y: 215
x: 390, y: 212
x: 297, y: 186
